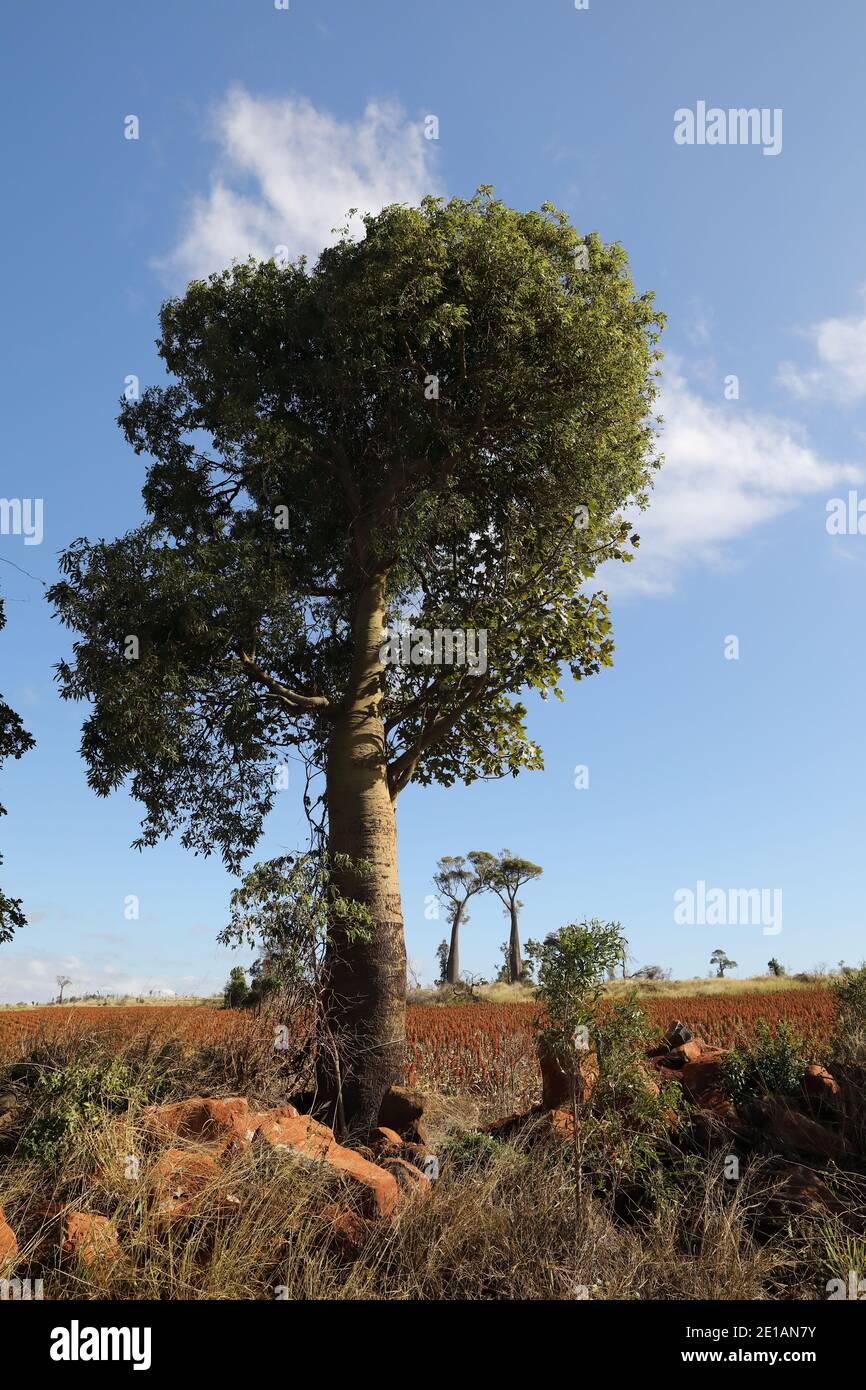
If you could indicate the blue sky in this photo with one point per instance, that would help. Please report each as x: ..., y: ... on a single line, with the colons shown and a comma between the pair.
x: 260, y: 127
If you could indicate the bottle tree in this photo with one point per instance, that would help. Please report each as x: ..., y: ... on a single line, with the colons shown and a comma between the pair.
x: 456, y: 882
x: 505, y: 874
x: 722, y: 961
x: 435, y: 425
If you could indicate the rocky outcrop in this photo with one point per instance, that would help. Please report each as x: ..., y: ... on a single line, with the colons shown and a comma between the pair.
x: 410, y: 1180
x: 298, y: 1134
x: 88, y: 1238
x: 208, y: 1120
x: 8, y: 1243
x: 402, y: 1110
x: 222, y: 1127
x: 348, y: 1230
x: 197, y: 1138
x: 699, y: 1069
x: 821, y: 1090
x: 776, y: 1119
x: 799, y: 1192
x: 557, y: 1081
x: 186, y: 1182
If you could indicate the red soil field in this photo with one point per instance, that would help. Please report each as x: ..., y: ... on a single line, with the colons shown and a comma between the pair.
x: 484, y: 1049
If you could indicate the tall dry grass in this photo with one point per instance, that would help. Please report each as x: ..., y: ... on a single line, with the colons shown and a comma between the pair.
x: 663, y: 1221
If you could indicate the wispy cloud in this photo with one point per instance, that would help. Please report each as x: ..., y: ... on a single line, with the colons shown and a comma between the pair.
x: 288, y: 173
x: 34, y: 977
x: 839, y: 373
x: 726, y: 472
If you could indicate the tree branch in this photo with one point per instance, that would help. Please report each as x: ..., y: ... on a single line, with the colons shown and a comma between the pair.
x: 291, y: 699
x: 402, y: 769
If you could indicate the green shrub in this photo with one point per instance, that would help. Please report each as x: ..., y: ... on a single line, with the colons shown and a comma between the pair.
x: 472, y: 1150
x: 850, y: 992
x: 236, y: 992
x: 772, y: 1062
x: 71, y: 1098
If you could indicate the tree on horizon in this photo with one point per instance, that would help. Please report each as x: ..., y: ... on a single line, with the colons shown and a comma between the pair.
x: 505, y: 874
x: 456, y: 881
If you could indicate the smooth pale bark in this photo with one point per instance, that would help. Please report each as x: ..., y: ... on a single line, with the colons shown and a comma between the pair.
x: 515, y: 960
x: 365, y: 979
x: 452, y: 969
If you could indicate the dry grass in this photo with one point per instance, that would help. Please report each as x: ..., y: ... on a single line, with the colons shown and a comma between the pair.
x: 504, y: 1229
x: 125, y: 1001
x: 502, y: 993
x: 499, y: 1224
x: 699, y: 985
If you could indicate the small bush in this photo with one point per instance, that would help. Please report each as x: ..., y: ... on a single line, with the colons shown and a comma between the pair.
x: 773, y: 1061
x: 472, y: 1150
x: 71, y: 1098
x: 236, y: 992
x: 850, y: 992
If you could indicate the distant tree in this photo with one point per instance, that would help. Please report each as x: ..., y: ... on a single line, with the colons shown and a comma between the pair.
x: 442, y: 957
x: 530, y: 960
x: 505, y: 874
x: 14, y: 742
x: 775, y: 968
x: 265, y: 980
x: 651, y: 972
x: 527, y: 964
x: 63, y: 981
x: 722, y: 962
x: 237, y: 990
x: 456, y: 882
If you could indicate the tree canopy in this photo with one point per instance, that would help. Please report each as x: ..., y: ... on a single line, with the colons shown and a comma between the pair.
x: 460, y: 402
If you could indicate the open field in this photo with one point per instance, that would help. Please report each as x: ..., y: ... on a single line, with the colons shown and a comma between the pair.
x: 502, y: 993
x: 720, y: 1016
x: 483, y: 1050
x: 203, y: 1221
x: 126, y: 1001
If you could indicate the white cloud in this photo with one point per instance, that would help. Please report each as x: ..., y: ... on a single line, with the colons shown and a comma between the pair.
x: 840, y: 371
x: 288, y: 174
x: 726, y: 471
x: 28, y: 977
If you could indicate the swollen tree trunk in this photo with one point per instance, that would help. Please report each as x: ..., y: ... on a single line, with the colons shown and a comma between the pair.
x: 452, y: 969
x: 365, y: 975
x: 515, y: 960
